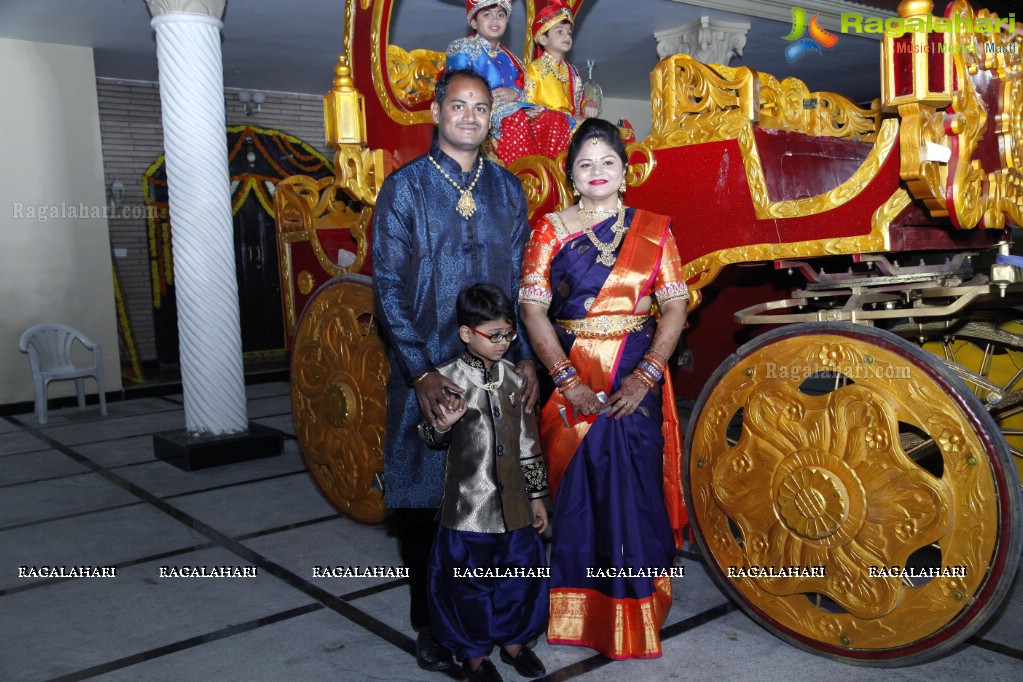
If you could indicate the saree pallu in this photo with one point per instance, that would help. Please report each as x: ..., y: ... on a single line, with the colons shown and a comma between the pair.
x: 615, y: 481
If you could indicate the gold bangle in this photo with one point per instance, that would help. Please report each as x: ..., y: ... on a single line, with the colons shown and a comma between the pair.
x: 420, y: 377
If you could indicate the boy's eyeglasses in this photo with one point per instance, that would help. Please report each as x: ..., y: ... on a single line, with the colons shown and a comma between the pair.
x: 497, y: 338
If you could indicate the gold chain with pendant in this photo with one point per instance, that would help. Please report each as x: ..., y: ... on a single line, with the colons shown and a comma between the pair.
x: 466, y: 205
x: 606, y: 252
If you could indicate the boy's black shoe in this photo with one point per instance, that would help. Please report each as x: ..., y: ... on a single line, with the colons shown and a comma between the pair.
x: 485, y: 673
x: 525, y: 663
x: 430, y: 655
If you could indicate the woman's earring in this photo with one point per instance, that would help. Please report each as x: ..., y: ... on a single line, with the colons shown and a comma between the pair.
x: 575, y: 191
x: 622, y: 188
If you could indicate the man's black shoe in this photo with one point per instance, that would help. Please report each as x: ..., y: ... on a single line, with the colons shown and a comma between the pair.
x: 485, y: 673
x: 526, y: 663
x: 430, y: 655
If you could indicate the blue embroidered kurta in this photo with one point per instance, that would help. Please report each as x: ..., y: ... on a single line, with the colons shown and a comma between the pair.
x: 503, y: 71
x: 424, y: 254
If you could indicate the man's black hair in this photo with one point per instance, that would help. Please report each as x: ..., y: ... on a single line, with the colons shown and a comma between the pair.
x: 482, y: 303
x: 599, y: 129
x: 440, y: 90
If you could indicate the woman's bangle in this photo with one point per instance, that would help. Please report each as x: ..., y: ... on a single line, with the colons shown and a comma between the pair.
x: 439, y: 432
x: 576, y: 379
x: 651, y: 370
x: 657, y: 357
x: 643, y: 377
x: 558, y: 366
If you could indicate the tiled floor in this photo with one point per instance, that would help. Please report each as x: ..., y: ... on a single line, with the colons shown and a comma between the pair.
x: 87, y: 491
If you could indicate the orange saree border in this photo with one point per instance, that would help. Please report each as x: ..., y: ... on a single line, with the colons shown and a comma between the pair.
x: 617, y: 628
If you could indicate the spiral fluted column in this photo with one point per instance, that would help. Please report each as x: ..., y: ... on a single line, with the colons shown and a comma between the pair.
x: 192, y: 100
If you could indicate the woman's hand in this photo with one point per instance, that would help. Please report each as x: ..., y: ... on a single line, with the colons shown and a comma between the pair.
x: 583, y: 400
x: 627, y: 398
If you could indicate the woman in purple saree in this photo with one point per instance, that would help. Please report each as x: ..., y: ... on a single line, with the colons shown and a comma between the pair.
x: 591, y: 276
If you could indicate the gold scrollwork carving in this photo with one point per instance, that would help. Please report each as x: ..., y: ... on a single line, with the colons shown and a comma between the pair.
x: 381, y: 72
x: 978, y: 195
x: 412, y: 74
x: 823, y: 481
x: 542, y: 179
x: 706, y: 103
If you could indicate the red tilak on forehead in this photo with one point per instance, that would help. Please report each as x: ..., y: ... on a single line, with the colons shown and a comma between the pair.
x: 472, y: 94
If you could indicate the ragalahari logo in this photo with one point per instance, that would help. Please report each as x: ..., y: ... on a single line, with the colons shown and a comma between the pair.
x: 818, y: 36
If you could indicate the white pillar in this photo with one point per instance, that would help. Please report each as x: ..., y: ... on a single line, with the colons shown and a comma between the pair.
x: 195, y: 142
x: 710, y: 41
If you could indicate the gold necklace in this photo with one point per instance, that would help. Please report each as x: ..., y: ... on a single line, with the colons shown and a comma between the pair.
x: 606, y: 252
x: 493, y: 385
x: 591, y: 216
x: 466, y: 205
x: 551, y: 66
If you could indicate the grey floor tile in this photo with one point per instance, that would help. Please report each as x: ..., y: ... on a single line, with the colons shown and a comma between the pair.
x: 17, y: 441
x: 270, y: 407
x: 268, y: 389
x: 316, y: 646
x: 1006, y: 626
x: 120, y: 451
x: 75, y: 624
x: 59, y: 497
x: 117, y: 427
x: 103, y: 538
x: 693, y: 593
x: 281, y: 422
x: 8, y: 427
x: 36, y: 466
x: 163, y: 479
x: 338, y: 542
x: 257, y: 506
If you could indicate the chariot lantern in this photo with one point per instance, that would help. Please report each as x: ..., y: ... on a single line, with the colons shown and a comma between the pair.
x: 916, y: 66
x: 344, y: 110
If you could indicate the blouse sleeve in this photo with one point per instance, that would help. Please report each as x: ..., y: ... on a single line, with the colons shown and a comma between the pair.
x: 669, y: 284
x: 543, y: 243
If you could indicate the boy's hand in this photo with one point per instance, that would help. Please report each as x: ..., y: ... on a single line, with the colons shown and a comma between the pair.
x: 448, y: 419
x: 505, y: 95
x: 539, y: 515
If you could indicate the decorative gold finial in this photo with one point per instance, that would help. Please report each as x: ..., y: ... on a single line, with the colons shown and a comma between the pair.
x: 915, y: 8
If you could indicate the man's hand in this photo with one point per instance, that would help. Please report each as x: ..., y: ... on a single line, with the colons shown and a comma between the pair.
x: 532, y: 390
x: 433, y: 400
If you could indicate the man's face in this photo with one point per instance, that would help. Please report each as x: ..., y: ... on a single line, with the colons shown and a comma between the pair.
x: 490, y: 23
x: 463, y: 119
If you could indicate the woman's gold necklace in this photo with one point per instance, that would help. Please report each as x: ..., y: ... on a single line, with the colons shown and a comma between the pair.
x: 493, y: 385
x: 605, y: 252
x: 466, y: 205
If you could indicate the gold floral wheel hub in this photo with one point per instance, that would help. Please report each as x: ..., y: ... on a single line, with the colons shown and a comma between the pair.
x: 340, y: 399
x: 339, y: 375
x: 813, y: 502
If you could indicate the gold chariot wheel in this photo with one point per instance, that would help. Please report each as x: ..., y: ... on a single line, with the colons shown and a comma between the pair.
x: 339, y: 373
x: 852, y: 494
x: 985, y: 350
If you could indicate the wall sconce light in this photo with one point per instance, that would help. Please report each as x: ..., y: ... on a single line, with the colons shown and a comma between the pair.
x: 117, y: 192
x: 251, y: 101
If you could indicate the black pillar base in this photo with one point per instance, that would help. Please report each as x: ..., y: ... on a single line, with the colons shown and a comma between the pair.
x: 190, y: 452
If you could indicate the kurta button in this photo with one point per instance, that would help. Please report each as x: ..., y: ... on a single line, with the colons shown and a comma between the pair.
x: 497, y: 411
x: 500, y: 450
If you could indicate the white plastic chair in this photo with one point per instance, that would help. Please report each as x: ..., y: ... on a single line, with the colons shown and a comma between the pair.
x: 49, y: 351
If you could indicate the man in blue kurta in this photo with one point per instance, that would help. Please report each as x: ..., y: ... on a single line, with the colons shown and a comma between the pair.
x: 443, y: 221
